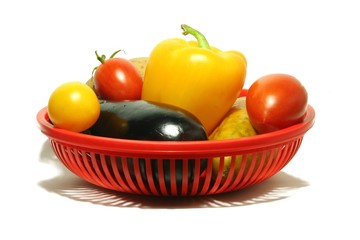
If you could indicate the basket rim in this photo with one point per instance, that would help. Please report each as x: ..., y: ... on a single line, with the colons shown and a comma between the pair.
x: 147, y: 147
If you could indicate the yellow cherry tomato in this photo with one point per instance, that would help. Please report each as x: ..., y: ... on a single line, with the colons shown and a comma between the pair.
x: 73, y: 106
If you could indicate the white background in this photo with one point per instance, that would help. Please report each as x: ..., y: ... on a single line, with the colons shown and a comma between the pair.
x: 46, y: 43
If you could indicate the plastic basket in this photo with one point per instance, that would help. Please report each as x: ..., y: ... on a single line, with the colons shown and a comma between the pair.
x: 175, y: 168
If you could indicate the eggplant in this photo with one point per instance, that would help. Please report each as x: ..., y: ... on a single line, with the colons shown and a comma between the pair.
x: 144, y: 120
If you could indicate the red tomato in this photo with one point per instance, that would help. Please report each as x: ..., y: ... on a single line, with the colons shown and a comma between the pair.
x: 276, y: 101
x: 117, y: 79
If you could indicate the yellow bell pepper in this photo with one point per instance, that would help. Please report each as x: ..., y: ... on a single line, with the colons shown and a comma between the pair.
x: 194, y: 76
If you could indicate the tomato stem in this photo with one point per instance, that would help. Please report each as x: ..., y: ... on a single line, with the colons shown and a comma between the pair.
x: 101, y: 58
x: 203, y: 43
x: 113, y: 55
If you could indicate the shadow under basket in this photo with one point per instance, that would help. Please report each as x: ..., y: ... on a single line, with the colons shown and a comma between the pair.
x: 166, y: 168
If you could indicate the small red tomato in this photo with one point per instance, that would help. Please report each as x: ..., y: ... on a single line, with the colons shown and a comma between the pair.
x: 276, y: 101
x: 117, y: 79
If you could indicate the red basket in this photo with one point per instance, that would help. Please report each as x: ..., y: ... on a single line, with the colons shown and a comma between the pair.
x: 175, y: 168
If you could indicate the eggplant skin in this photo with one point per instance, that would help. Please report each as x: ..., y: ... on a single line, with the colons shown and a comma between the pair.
x: 144, y: 120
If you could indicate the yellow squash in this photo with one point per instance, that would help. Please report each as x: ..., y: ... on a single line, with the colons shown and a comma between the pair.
x: 194, y: 76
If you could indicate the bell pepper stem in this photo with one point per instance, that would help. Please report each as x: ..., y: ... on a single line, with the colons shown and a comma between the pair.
x: 203, y: 43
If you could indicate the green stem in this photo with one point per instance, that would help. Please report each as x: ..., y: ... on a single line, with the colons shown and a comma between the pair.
x: 113, y: 55
x: 203, y: 43
x: 101, y: 58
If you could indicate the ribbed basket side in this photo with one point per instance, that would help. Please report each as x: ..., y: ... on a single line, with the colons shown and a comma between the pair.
x: 173, y: 176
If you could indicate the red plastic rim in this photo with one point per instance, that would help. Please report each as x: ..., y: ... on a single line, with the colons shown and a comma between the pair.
x: 167, y: 148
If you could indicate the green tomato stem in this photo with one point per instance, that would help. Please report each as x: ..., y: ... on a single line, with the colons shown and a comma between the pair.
x: 113, y: 55
x: 101, y: 58
x: 203, y: 43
